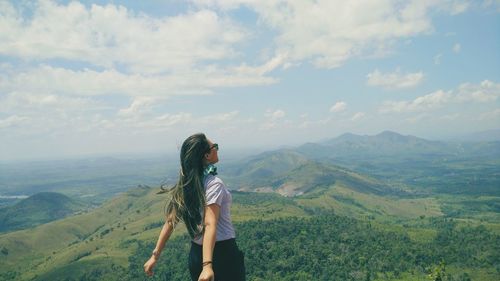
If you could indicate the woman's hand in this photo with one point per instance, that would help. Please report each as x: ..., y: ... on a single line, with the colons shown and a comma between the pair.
x: 148, y: 266
x: 207, y: 274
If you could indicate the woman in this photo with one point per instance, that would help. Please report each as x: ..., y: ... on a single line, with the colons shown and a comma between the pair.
x: 202, y: 202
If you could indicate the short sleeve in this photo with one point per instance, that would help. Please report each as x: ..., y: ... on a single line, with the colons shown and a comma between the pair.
x: 215, y: 193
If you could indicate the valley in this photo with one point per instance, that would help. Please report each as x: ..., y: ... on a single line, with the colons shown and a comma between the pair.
x: 374, y: 223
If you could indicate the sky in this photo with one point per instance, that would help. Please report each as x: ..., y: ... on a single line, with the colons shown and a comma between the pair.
x: 104, y: 77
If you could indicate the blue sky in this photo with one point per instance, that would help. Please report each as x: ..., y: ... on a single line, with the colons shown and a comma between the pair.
x: 98, y: 77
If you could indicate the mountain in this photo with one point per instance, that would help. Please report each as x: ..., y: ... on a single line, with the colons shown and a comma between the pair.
x: 261, y: 170
x: 386, y: 143
x: 37, y: 209
x: 269, y: 163
x: 395, y: 145
x: 413, y: 162
x: 291, y: 173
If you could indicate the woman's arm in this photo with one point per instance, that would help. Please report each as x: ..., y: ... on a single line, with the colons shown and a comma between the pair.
x: 211, y: 218
x: 165, y: 233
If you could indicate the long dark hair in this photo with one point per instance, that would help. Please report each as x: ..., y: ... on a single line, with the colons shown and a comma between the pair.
x: 187, y: 201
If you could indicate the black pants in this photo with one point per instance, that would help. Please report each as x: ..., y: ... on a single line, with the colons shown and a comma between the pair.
x: 228, y: 261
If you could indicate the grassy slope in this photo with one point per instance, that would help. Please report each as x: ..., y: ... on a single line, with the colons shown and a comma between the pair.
x: 37, y: 209
x: 58, y: 243
x: 99, y: 238
x: 347, y: 201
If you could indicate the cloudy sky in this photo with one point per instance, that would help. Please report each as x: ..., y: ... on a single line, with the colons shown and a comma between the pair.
x: 98, y: 77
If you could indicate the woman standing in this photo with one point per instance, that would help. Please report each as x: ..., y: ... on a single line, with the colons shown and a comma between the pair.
x: 201, y: 200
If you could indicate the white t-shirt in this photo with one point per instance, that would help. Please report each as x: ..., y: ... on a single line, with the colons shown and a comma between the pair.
x: 217, y: 193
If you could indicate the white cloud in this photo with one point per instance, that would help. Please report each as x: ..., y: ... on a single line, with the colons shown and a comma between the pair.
x: 357, y: 116
x: 275, y: 115
x: 41, y: 103
x: 458, y: 7
x: 456, y: 48
x: 338, y: 107
x: 219, y: 118
x: 167, y: 120
x: 12, y: 121
x: 139, y: 106
x: 88, y: 82
x: 486, y: 91
x: 49, y: 116
x: 329, y: 32
x: 261, y: 70
x: 394, y: 80
x: 111, y: 35
x: 423, y: 103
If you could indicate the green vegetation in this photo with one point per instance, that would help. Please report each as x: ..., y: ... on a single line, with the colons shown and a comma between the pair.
x: 283, y: 239
x: 338, y: 248
x: 427, y: 167
x: 37, y: 209
x: 379, y: 208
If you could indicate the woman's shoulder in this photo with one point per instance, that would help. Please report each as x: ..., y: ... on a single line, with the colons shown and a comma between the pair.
x: 212, y: 179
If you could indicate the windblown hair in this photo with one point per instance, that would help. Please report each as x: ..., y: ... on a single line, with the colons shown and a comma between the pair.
x: 187, y: 201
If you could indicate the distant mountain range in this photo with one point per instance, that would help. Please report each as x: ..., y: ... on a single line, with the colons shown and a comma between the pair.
x: 37, y: 209
x: 365, y: 177
x: 291, y: 173
x: 392, y: 144
x: 360, y: 160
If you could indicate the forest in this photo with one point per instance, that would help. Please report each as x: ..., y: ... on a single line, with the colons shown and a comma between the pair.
x: 330, y: 247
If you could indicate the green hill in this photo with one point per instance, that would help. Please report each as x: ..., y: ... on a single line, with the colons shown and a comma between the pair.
x: 101, y: 237
x: 290, y: 173
x: 259, y: 171
x: 112, y: 241
x: 334, y: 220
x: 426, y: 167
x: 37, y: 209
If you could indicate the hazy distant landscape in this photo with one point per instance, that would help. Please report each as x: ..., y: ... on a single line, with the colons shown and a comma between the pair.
x: 382, y: 207
x: 360, y: 139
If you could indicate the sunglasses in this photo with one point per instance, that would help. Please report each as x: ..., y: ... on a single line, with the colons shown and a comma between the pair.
x: 216, y: 146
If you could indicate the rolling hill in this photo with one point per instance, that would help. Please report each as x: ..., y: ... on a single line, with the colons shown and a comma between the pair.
x: 290, y: 173
x: 37, y: 209
x: 111, y: 241
x: 415, y: 163
x: 101, y: 237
